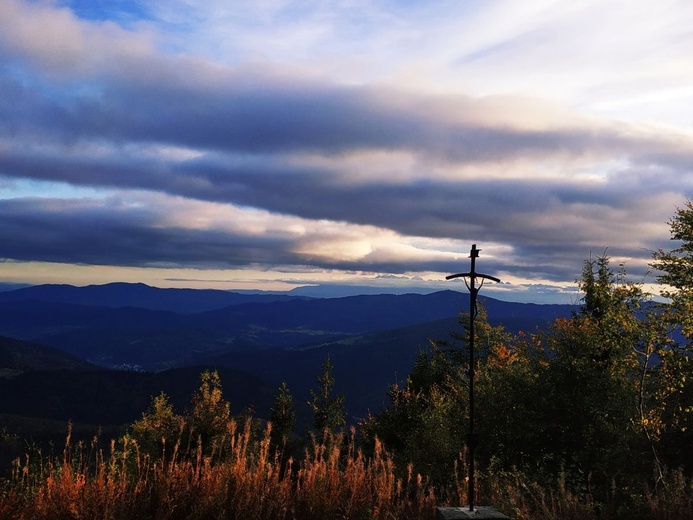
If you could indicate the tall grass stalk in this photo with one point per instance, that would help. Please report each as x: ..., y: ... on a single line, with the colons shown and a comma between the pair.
x: 241, y: 479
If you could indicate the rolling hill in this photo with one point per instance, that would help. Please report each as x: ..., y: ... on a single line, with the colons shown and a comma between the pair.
x: 256, y: 340
x: 156, y: 339
x: 20, y: 356
x: 139, y: 295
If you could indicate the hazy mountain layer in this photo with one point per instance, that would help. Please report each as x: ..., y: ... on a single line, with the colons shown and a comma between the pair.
x: 257, y: 341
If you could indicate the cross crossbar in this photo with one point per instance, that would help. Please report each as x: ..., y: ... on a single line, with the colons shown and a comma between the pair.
x: 476, y: 275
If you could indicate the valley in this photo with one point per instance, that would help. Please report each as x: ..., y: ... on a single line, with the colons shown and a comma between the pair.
x: 97, y: 354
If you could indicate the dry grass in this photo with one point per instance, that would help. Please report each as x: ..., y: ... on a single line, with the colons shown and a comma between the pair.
x: 242, y: 478
x: 670, y: 499
x: 525, y: 501
x: 334, y: 480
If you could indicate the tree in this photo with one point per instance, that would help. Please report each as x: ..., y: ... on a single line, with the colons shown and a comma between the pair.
x: 673, y: 425
x: 597, y: 286
x: 510, y: 403
x: 328, y: 409
x: 613, y: 308
x: 425, y: 422
x: 592, y: 382
x: 210, y: 413
x: 282, y: 417
x: 159, y: 427
x: 676, y: 267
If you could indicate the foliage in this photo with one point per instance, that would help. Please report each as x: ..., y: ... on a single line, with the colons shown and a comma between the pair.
x: 570, y: 405
x: 158, y: 425
x: 510, y: 404
x: 673, y: 387
x: 424, y: 423
x: 283, y: 418
x: 328, y: 409
x: 333, y: 480
x: 205, y: 423
x: 676, y: 267
x: 210, y: 413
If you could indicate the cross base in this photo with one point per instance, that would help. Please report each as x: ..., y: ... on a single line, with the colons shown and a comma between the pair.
x: 463, y: 513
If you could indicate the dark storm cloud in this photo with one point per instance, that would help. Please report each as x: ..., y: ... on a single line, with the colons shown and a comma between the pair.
x: 113, y: 232
x: 107, y: 233
x: 554, y: 223
x: 249, y: 115
x: 433, y: 208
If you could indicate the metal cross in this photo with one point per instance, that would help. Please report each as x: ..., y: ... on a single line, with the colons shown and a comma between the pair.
x: 472, y: 438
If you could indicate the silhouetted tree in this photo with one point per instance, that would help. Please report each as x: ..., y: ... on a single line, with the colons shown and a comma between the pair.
x: 328, y: 409
x: 282, y: 417
x: 425, y: 422
x: 594, y: 386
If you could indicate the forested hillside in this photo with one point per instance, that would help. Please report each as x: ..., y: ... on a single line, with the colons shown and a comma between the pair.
x: 373, y: 340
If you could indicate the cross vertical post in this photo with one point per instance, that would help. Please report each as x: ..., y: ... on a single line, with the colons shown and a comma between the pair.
x: 472, y: 438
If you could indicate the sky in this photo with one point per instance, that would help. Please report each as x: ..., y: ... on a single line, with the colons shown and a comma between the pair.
x: 273, y: 144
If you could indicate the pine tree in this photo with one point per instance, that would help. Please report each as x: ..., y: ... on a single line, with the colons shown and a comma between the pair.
x: 210, y: 413
x: 282, y: 417
x: 328, y: 409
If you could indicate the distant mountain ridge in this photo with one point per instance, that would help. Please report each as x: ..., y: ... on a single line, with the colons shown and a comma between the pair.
x: 159, y: 338
x: 259, y: 340
x: 121, y: 294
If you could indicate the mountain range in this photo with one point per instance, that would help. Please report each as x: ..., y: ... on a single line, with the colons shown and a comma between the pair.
x: 123, y: 343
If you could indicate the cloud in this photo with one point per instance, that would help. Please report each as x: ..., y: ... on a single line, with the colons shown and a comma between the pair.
x: 54, y: 40
x: 257, y: 112
x: 144, y: 229
x: 245, y: 145
x: 553, y: 189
